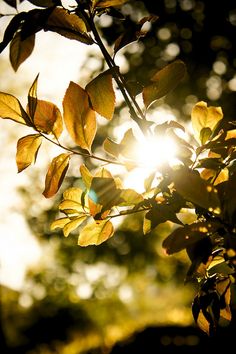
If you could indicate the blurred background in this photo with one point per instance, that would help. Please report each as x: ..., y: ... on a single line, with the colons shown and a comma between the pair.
x: 57, y: 297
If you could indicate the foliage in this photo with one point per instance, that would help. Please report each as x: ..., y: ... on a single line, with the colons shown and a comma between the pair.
x: 200, y: 181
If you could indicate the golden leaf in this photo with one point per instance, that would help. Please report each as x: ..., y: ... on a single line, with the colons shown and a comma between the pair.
x: 56, y: 174
x: 95, y: 233
x: 73, y: 224
x: 10, y: 108
x: 79, y: 118
x: 102, y: 95
x: 27, y: 149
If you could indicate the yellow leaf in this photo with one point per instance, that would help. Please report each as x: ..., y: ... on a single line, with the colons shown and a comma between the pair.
x: 73, y: 194
x: 56, y: 174
x: 96, y: 233
x: 107, y: 3
x: 102, y: 95
x: 20, y: 49
x: 205, y: 117
x: 79, y: 118
x: 72, y: 225
x: 27, y: 149
x: 47, y: 118
x: 111, y: 147
x: 71, y: 207
x: 32, y: 98
x: 59, y: 223
x: 86, y: 176
x: 10, y: 108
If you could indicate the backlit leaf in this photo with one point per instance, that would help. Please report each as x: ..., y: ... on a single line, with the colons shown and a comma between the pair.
x: 193, y: 188
x: 183, y: 237
x: 73, y: 224
x: 164, y: 81
x: 20, y: 49
x: 59, y: 223
x: 71, y: 207
x: 96, y: 233
x: 86, y: 176
x: 68, y: 25
x: 27, y: 149
x: 104, y: 191
x: 111, y: 147
x: 79, y: 118
x: 107, y: 3
x: 205, y: 117
x: 56, y: 174
x: 130, y: 197
x: 102, y: 95
x: 47, y: 118
x: 10, y: 108
x: 32, y: 98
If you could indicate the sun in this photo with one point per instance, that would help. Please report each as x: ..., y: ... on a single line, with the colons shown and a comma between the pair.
x: 150, y: 154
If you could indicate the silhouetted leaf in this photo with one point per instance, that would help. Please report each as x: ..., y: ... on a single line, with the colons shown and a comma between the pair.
x: 164, y: 81
x: 47, y: 118
x: 20, y: 49
x: 193, y: 188
x: 229, y: 198
x: 10, y: 108
x: 56, y: 174
x: 79, y: 117
x: 27, y: 149
x: 11, y: 3
x: 32, y: 98
x: 102, y: 95
x: 11, y: 29
x: 205, y: 117
x: 68, y: 25
x: 107, y: 3
x: 95, y: 233
x: 43, y: 3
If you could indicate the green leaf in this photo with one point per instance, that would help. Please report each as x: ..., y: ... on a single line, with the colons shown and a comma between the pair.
x: 20, y: 49
x: 79, y: 118
x: 102, y: 95
x: 32, y: 97
x: 48, y: 119
x: 96, y: 233
x: 164, y: 81
x: 72, y: 225
x: 205, y: 117
x: 10, y: 108
x: 183, y: 237
x: 56, y: 174
x: 68, y: 25
x: 193, y: 188
x: 27, y: 150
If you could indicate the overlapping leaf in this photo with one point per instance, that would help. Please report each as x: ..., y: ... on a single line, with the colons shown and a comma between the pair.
x: 79, y: 118
x: 20, y: 49
x: 56, y: 174
x: 102, y: 95
x: 95, y: 233
x: 11, y: 108
x: 27, y: 149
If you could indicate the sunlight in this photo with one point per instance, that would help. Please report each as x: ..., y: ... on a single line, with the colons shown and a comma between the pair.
x: 150, y: 154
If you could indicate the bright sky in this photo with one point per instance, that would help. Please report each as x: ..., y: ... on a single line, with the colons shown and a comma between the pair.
x: 58, y: 61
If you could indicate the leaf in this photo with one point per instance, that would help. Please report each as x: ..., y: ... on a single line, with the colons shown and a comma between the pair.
x: 104, y: 191
x: 70, y: 207
x: 47, y: 118
x: 205, y: 117
x: 111, y: 147
x: 27, y: 150
x: 11, y: 29
x: 11, y: 3
x: 68, y: 25
x: 193, y: 188
x: 43, y: 3
x: 59, y: 223
x: 32, y: 98
x: 73, y: 224
x: 164, y: 81
x: 183, y: 237
x: 102, y: 95
x: 130, y: 197
x: 10, y: 108
x: 96, y: 233
x: 86, y: 176
x: 20, y: 49
x: 56, y: 174
x: 107, y: 3
x: 79, y: 118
